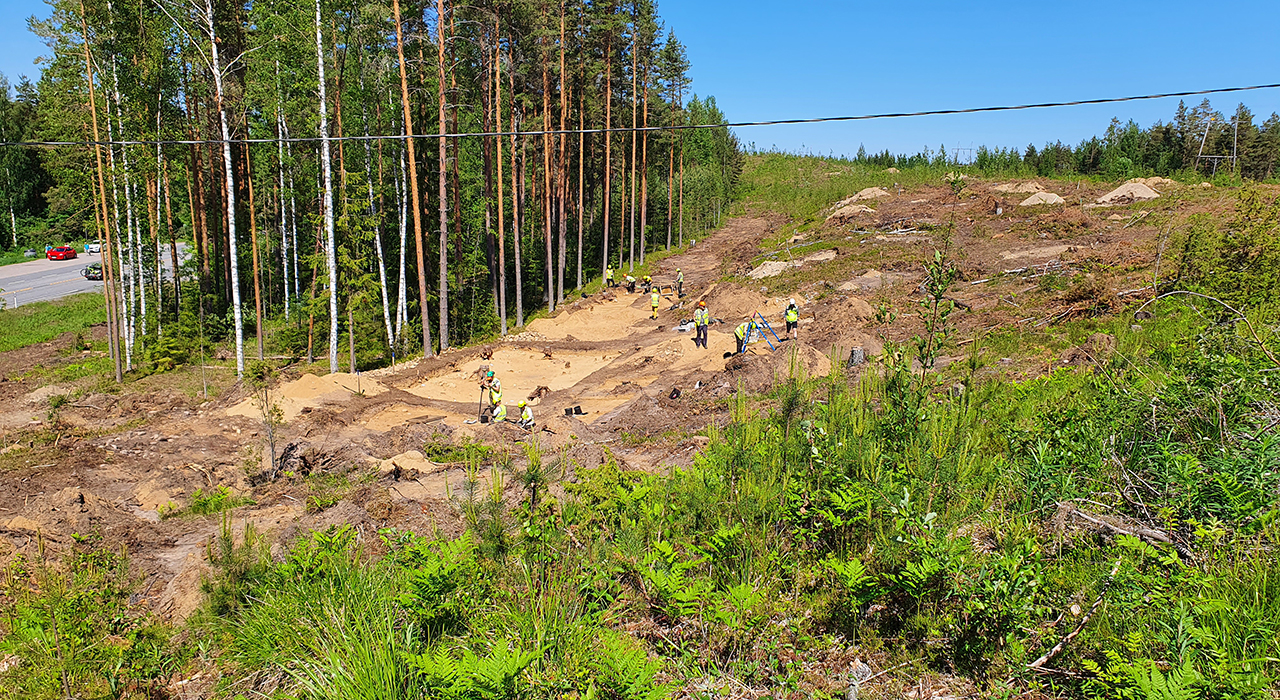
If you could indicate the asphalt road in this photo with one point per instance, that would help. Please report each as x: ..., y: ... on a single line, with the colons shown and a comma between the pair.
x: 45, y: 280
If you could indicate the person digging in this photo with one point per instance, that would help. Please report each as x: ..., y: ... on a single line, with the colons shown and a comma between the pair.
x: 500, y: 413
x: 647, y: 284
x: 493, y: 387
x: 701, y: 317
x: 655, y: 298
x: 631, y: 285
x: 792, y: 317
x: 741, y: 333
x: 526, y: 414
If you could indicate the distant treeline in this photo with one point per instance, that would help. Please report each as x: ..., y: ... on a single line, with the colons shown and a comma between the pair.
x: 1128, y: 150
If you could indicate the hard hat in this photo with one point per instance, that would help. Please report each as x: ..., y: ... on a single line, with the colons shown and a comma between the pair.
x: 792, y: 302
x: 702, y: 303
x: 520, y: 403
x: 677, y: 269
x: 489, y: 373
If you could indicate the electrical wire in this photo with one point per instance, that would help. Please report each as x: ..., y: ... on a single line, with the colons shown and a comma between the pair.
x: 672, y: 127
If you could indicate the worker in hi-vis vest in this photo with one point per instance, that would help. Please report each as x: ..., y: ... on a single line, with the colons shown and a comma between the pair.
x: 792, y: 315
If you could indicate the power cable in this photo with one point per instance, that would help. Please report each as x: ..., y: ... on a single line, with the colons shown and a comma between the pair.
x: 673, y: 127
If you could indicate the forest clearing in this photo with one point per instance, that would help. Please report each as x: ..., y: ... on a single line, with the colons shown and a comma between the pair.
x: 815, y: 516
x: 356, y: 413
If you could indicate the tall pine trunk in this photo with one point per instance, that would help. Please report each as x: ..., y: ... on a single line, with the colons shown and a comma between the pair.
x: 443, y: 184
x: 631, y: 258
x: 108, y: 288
x: 497, y: 113
x: 413, y: 183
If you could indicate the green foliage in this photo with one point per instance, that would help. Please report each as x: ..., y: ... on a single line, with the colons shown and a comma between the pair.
x: 209, y: 502
x: 1238, y: 260
x: 805, y: 521
x: 70, y: 630
x: 43, y: 321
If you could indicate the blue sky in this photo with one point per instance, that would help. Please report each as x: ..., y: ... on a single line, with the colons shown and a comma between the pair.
x: 809, y: 58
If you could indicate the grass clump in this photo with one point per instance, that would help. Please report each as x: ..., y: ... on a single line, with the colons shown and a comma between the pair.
x: 214, y: 500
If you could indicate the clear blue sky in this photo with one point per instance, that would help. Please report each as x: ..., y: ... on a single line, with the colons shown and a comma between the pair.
x: 770, y: 60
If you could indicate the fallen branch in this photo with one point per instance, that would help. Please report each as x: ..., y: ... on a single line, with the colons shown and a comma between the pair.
x: 887, y: 670
x: 1062, y: 643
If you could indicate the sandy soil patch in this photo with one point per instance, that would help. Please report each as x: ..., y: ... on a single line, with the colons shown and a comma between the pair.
x: 521, y: 372
x: 310, y: 391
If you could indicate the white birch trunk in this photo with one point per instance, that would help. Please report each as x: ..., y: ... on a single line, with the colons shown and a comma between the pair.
x: 284, y: 231
x: 331, y: 256
x: 402, y: 301
x: 237, y: 312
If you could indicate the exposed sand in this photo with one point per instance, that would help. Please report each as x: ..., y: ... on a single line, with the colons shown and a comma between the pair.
x: 310, y: 391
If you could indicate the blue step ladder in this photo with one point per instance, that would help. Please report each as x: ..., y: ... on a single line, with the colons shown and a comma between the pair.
x: 758, y: 322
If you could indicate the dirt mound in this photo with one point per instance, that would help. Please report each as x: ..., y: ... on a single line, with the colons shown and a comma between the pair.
x: 1019, y: 187
x: 310, y: 391
x: 609, y: 320
x: 1154, y: 182
x: 892, y: 171
x: 1128, y: 193
x: 872, y: 279
x: 1042, y: 198
x: 773, y: 268
x: 869, y: 193
x: 849, y: 211
x: 71, y: 510
x: 732, y: 302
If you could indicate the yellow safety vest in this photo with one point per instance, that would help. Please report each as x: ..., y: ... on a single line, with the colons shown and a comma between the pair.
x: 701, y: 316
x: 679, y: 276
x: 655, y: 299
x: 500, y: 413
x: 793, y: 314
x: 741, y: 330
x: 608, y: 273
x: 526, y: 415
x: 495, y: 392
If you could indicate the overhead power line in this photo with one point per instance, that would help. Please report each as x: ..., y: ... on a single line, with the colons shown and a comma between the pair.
x: 673, y: 127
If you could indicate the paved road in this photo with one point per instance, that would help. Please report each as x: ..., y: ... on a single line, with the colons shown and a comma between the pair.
x: 43, y: 280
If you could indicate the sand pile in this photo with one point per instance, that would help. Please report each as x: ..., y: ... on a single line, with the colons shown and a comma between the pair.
x: 868, y: 193
x: 773, y: 268
x: 1154, y: 182
x: 608, y: 320
x: 1042, y: 198
x: 409, y: 465
x: 892, y: 171
x: 1128, y: 193
x: 730, y: 301
x: 1019, y: 188
x: 872, y: 279
x: 310, y: 391
x: 850, y: 211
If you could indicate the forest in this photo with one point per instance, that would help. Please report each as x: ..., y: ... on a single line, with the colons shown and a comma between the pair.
x: 288, y: 160
x: 1198, y: 142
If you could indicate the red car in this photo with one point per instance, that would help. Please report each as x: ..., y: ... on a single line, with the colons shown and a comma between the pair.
x: 62, y: 252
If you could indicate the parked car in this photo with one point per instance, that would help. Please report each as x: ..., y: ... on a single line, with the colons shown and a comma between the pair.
x: 92, y: 272
x: 62, y: 252
x: 29, y: 253
x: 92, y: 247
